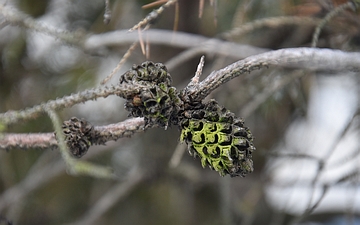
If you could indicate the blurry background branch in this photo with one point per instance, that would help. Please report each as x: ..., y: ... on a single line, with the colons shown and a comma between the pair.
x: 111, y: 197
x: 349, y: 5
x: 173, y: 39
x: 14, y: 17
x: 95, y: 42
x: 272, y: 22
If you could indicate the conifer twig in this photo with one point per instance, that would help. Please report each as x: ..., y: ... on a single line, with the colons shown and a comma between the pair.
x: 110, y: 132
x: 11, y: 117
x: 300, y: 58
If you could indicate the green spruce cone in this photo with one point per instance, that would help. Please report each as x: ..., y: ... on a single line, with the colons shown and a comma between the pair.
x: 218, y: 138
x: 157, y: 101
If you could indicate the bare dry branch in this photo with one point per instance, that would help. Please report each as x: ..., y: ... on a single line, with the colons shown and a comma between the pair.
x: 111, y: 132
x: 28, y: 141
x: 10, y: 117
x: 296, y: 58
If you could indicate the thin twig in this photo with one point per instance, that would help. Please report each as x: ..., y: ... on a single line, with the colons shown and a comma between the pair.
x: 196, y: 78
x: 30, y: 183
x: 177, y: 155
x: 260, y: 98
x: 214, y: 3
x: 69, y: 161
x: 147, y: 45
x: 154, y: 4
x: 201, y: 8
x: 176, y: 17
x: 272, y: 22
x: 296, y: 220
x: 107, y: 13
x: 121, y: 63
x: 311, y: 209
x: 321, y: 165
x: 291, y: 155
x: 11, y: 117
x: 328, y: 17
x: 153, y: 15
x: 111, y: 132
x: 111, y: 197
x: 39, y: 174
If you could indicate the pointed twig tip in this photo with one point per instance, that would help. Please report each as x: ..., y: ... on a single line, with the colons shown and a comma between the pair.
x: 196, y: 78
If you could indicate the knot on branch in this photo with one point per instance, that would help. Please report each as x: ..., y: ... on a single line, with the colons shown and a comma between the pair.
x: 79, y: 135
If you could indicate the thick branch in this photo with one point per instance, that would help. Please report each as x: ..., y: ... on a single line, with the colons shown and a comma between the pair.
x: 296, y: 58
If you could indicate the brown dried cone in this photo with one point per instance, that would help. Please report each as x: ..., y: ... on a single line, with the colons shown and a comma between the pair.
x: 157, y: 101
x: 219, y: 138
x: 79, y: 135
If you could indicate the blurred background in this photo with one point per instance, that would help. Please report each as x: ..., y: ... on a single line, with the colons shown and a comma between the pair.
x: 305, y: 124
